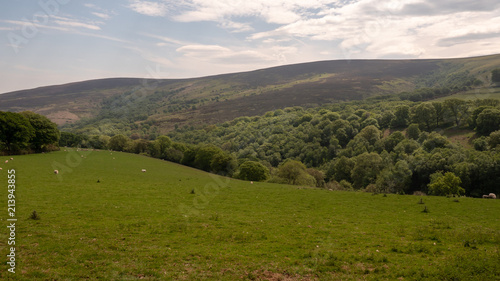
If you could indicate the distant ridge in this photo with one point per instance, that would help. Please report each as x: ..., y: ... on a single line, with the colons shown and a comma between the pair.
x: 223, y: 97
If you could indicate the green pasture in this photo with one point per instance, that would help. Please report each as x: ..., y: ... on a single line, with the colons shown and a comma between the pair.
x: 102, y: 218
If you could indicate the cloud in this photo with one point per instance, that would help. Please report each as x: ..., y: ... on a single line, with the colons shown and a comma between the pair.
x: 227, y: 56
x: 223, y: 11
x: 102, y: 15
x: 202, y: 51
x: 166, y: 40
x: 467, y: 38
x: 149, y: 8
x: 77, y: 24
x: 382, y: 28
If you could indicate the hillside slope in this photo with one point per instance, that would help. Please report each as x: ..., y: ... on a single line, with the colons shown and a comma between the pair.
x: 132, y: 225
x: 220, y: 98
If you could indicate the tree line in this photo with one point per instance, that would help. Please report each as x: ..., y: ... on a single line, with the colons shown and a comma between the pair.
x: 378, y: 146
x: 27, y: 132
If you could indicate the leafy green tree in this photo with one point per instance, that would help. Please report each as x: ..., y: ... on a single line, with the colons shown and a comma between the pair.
x: 161, y: 145
x: 445, y: 184
x: 294, y: 172
x: 494, y: 139
x: 495, y: 75
x: 223, y: 163
x: 413, y: 132
x: 458, y: 109
x: 365, y: 171
x: 118, y: 143
x: 394, y: 179
x: 435, y: 140
x: 488, y: 121
x: 481, y: 143
x: 204, y: 156
x: 139, y: 146
x: 341, y: 169
x: 440, y: 112
x: 392, y: 141
x: 15, y: 132
x: 402, y: 117
x: 318, y: 176
x: 370, y: 133
x: 424, y: 114
x: 46, y: 132
x: 386, y: 119
x: 253, y: 171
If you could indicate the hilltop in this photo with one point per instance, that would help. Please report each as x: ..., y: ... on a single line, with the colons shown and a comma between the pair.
x: 164, y: 103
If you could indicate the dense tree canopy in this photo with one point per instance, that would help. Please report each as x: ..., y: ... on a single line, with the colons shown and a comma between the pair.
x: 46, y: 132
x: 16, y: 132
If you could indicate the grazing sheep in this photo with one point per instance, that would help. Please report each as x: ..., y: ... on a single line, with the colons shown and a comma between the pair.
x: 0, y: 169
x: 251, y: 182
x: 493, y: 196
x: 6, y: 161
x: 56, y: 172
x: 143, y: 170
x: 11, y: 158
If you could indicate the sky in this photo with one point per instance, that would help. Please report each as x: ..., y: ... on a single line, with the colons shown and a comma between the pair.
x: 50, y: 42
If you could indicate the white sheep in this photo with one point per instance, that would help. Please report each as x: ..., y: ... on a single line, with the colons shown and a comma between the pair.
x: 143, y: 170
x: 493, y: 196
x: 56, y: 172
x: 0, y: 168
x: 11, y: 158
x: 6, y: 161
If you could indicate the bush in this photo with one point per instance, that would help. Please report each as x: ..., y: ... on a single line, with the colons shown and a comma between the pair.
x: 445, y: 184
x: 253, y: 171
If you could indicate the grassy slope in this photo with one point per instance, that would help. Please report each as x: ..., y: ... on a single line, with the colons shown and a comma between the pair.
x: 135, y: 225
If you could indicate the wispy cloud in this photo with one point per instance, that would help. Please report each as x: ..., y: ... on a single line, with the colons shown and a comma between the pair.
x: 102, y: 15
x: 149, y: 8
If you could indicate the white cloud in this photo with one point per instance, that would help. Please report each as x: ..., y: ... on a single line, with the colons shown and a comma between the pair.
x: 203, y: 51
x: 102, y: 15
x: 77, y: 24
x: 381, y: 28
x: 149, y: 8
x: 276, y: 12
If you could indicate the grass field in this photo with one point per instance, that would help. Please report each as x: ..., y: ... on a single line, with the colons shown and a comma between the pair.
x: 132, y: 225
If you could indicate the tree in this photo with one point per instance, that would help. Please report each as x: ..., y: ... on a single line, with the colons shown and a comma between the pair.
x: 424, y: 114
x: 495, y: 75
x: 294, y: 172
x: 394, y: 179
x: 370, y: 133
x: 458, y: 109
x: 253, y: 171
x: 161, y: 145
x: 118, y: 143
x: 413, y: 132
x: 15, y: 132
x: 435, y: 140
x: 386, y: 119
x: 223, y: 163
x: 440, y: 112
x: 392, y: 141
x: 402, y: 117
x: 488, y: 121
x: 46, y: 132
x: 204, y: 156
x: 341, y: 169
x: 447, y: 184
x: 365, y: 171
x: 494, y: 139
